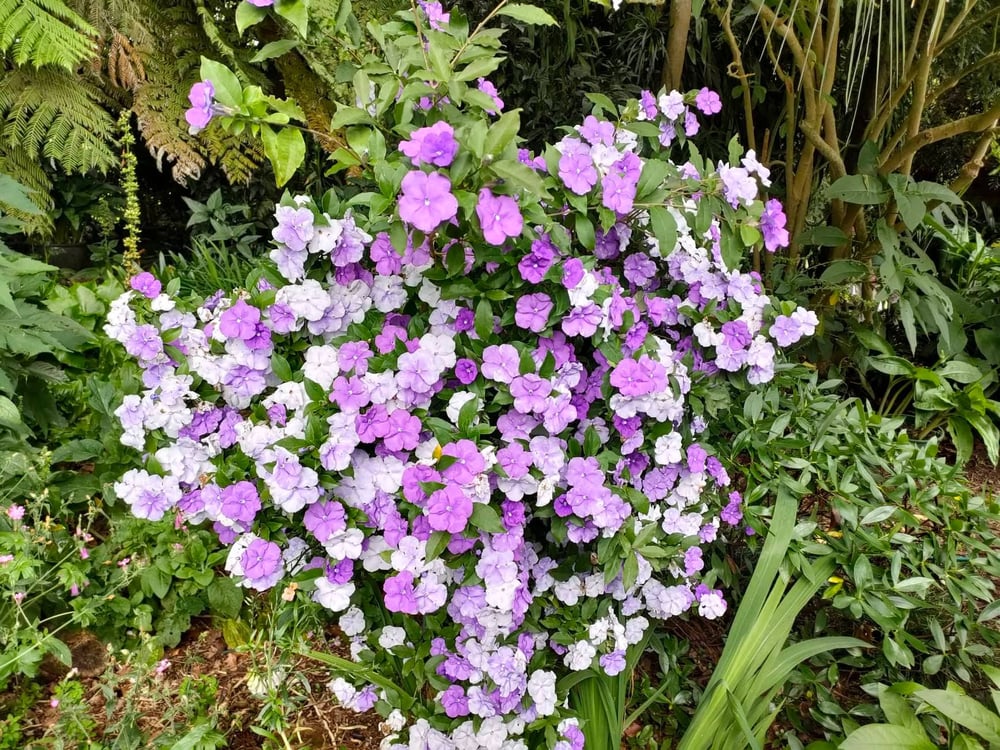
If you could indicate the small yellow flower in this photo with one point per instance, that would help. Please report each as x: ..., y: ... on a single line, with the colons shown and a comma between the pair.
x: 437, y: 452
x: 834, y: 579
x: 835, y: 534
x: 289, y: 593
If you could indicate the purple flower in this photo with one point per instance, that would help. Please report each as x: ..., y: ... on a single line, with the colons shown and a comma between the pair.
x: 145, y: 343
x: 260, y: 561
x: 295, y: 227
x: 261, y: 3
x: 403, y: 432
x: 737, y: 335
x: 536, y: 264
x: 785, y: 331
x: 426, y: 200
x: 576, y: 168
x: 772, y: 225
x: 491, y: 91
x: 708, y: 102
x: 573, y: 273
x: 648, y: 104
x: 324, y: 519
x: 499, y: 217
x: 350, y: 394
x: 613, y: 663
x: 639, y: 269
x: 598, y: 131
x: 738, y: 186
x: 240, y: 502
x: 530, y: 393
x: 640, y: 378
x: 468, y: 462
x: 533, y: 311
x: 146, y: 284
x: 432, y: 145
x: 582, y: 321
x: 435, y: 13
x: 399, y: 594
x: 240, y: 321
x: 501, y: 363
x: 618, y: 192
x: 449, y: 509
x: 201, y: 112
x: 454, y: 702
x: 466, y: 371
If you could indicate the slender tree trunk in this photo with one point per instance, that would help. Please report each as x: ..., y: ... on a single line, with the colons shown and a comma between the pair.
x: 680, y: 25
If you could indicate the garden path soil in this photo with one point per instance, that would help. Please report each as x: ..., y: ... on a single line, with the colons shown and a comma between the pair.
x: 317, y: 724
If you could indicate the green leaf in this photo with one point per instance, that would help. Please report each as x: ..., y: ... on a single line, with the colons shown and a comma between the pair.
x: 225, y: 597
x: 155, y: 581
x: 965, y: 711
x: 823, y: 237
x: 861, y: 189
x: 664, y: 227
x: 484, y: 319
x: 932, y: 191
x: 584, y: 231
x: 17, y: 196
x: 886, y: 737
x: 274, y: 49
x: 467, y: 414
x: 961, y: 435
x: 77, y: 450
x: 840, y: 271
x: 990, y: 612
x: 894, y: 366
x: 502, y: 132
x: 437, y: 544
x: 521, y: 176
x: 9, y: 415
x: 486, y: 518
x: 228, y: 89
x: 248, y: 15
x: 960, y: 372
x: 528, y: 14
x: 285, y: 149
x: 478, y: 68
x: 296, y: 12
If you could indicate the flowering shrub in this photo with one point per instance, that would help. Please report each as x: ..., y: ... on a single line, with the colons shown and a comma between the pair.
x: 462, y: 405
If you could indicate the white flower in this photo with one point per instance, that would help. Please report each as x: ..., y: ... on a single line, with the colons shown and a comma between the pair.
x: 455, y: 404
x: 542, y: 689
x: 711, y: 606
x: 345, y: 544
x: 579, y: 656
x: 391, y: 636
x: 395, y: 720
x: 336, y: 597
x: 343, y: 690
x: 546, y: 488
x: 667, y: 449
x: 352, y: 622
x: 321, y: 365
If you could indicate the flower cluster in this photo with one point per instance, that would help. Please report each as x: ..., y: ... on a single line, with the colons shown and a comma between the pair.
x: 484, y: 404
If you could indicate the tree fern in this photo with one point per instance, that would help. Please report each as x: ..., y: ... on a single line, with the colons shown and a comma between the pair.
x: 54, y: 114
x: 45, y: 32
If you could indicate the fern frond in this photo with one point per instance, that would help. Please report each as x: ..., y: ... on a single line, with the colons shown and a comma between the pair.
x: 45, y: 32
x: 57, y: 115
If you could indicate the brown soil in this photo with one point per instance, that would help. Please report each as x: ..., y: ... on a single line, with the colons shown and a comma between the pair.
x: 315, y: 722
